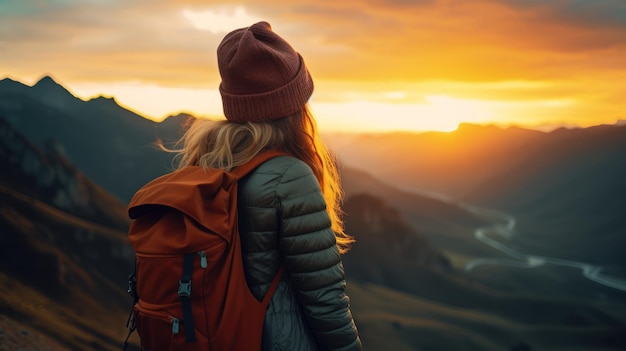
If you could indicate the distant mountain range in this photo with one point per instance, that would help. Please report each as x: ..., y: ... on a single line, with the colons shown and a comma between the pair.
x: 70, y: 166
x: 565, y: 188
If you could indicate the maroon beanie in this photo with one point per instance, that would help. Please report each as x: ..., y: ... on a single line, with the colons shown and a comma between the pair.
x: 263, y: 77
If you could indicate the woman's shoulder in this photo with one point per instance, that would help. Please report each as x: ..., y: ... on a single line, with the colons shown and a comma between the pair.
x: 278, y: 177
x: 284, y: 166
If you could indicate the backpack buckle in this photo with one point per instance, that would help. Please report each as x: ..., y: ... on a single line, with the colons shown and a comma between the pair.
x: 184, y: 289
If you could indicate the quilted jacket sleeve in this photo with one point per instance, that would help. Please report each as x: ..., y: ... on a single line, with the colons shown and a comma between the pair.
x: 313, y: 261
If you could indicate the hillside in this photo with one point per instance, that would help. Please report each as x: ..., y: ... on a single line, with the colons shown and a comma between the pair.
x: 63, y: 249
x: 393, y: 320
x: 45, y: 173
x: 67, y: 286
x: 386, y: 242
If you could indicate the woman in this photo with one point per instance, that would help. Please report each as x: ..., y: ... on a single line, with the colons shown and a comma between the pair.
x: 289, y: 206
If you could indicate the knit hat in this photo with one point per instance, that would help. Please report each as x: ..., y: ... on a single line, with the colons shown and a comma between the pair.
x: 263, y: 77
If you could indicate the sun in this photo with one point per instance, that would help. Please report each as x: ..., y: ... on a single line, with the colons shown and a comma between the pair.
x: 447, y: 112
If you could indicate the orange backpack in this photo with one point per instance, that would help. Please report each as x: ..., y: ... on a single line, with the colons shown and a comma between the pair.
x: 189, y: 286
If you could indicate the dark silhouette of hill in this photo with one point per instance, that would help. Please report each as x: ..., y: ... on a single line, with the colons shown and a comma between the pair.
x: 110, y: 144
x: 563, y: 187
x: 386, y: 241
x: 63, y: 250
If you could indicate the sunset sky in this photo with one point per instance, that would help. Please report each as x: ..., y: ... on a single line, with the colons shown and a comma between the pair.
x: 378, y: 65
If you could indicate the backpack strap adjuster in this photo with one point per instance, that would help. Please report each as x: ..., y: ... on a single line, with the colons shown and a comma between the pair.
x: 184, y: 289
x: 184, y: 295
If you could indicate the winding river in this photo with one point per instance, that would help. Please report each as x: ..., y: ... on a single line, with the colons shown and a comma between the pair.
x: 504, y: 229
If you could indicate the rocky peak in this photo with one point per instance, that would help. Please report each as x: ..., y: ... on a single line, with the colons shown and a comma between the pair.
x: 48, y: 90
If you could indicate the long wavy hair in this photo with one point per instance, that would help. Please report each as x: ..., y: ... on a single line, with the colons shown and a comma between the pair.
x: 226, y: 145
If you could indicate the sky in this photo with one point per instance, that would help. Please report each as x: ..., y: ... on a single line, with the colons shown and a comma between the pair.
x: 379, y: 65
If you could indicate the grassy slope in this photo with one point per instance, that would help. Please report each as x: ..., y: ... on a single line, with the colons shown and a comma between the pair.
x: 66, y: 290
x: 392, y: 320
x: 18, y: 336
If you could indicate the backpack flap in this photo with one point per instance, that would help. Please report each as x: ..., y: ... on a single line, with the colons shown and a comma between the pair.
x: 177, y: 203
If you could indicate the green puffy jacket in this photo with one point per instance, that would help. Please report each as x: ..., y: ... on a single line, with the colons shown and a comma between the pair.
x: 282, y: 218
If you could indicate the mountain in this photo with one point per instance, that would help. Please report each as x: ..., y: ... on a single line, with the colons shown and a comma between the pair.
x: 110, y: 144
x: 50, y: 92
x: 446, y: 224
x: 46, y: 175
x: 562, y: 187
x: 63, y: 251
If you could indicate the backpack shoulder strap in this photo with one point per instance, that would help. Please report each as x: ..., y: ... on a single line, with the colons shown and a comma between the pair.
x: 255, y: 162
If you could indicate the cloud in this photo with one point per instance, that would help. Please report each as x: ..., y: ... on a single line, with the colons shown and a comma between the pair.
x: 108, y: 42
x: 596, y: 13
x: 220, y: 21
x: 173, y: 42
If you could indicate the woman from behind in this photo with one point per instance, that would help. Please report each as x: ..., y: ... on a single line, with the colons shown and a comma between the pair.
x: 288, y: 207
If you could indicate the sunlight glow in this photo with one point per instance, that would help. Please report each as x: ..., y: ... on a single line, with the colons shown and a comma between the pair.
x: 439, y: 113
x: 221, y: 21
x: 157, y: 102
x: 395, y: 95
x: 350, y: 110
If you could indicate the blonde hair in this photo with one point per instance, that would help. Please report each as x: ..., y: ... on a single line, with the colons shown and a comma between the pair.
x: 226, y: 145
